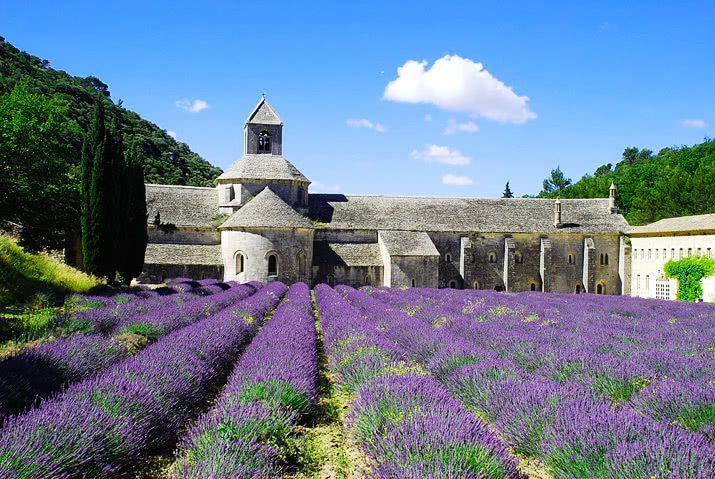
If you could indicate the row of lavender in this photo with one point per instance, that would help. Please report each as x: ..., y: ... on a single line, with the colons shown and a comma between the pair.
x: 101, y: 427
x: 406, y: 422
x: 37, y: 372
x: 271, y: 388
x: 559, y: 376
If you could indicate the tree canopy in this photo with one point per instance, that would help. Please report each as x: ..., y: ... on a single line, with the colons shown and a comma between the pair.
x: 677, y: 181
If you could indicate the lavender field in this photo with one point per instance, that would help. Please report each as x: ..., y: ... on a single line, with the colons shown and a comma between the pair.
x: 204, y: 379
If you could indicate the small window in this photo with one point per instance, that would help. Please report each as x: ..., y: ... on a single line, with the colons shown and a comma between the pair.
x: 367, y: 281
x: 413, y: 283
x: 599, y: 289
x: 272, y: 265
x: 709, y: 253
x: 602, y: 258
x: 578, y: 288
x: 690, y: 252
x: 647, y: 282
x: 448, y: 257
x: 240, y: 262
x: 477, y: 285
x: 700, y: 252
x: 492, y: 257
x: 656, y: 254
x: 518, y: 258
x: 264, y: 142
x: 331, y: 280
x: 672, y: 253
x: 665, y: 253
x: 227, y: 194
x: 301, y: 263
x: 680, y: 253
x: 571, y: 259
x: 533, y: 286
x: 453, y: 284
x: 638, y: 281
x: 635, y: 254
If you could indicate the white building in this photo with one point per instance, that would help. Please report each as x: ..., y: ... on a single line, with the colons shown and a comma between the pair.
x: 673, y: 238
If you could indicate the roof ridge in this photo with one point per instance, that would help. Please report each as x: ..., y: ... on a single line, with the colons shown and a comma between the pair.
x: 181, y: 186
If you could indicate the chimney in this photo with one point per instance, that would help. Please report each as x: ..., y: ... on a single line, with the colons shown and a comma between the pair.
x: 557, y: 213
x: 612, y: 199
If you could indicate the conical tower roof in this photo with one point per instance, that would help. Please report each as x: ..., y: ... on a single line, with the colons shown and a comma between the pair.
x: 263, y: 167
x: 266, y: 210
x: 263, y: 114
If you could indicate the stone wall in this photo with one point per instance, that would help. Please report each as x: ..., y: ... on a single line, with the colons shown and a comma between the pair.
x: 184, y: 235
x: 354, y: 276
x: 257, y: 244
x: 294, y: 193
x: 158, y: 273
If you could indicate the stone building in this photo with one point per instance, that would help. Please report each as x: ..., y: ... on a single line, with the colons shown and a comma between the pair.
x: 260, y: 223
x: 673, y: 238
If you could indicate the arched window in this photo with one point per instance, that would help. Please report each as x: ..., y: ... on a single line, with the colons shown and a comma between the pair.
x: 413, y: 282
x: 572, y: 260
x: 533, y: 286
x: 647, y: 282
x: 367, y: 281
x: 606, y: 258
x: 448, y: 257
x: 301, y: 263
x: 331, y: 280
x: 600, y: 289
x: 578, y: 288
x: 453, y: 284
x: 492, y: 257
x: 240, y: 262
x: 518, y: 258
x: 601, y: 258
x: 477, y: 285
x: 264, y: 142
x: 272, y: 265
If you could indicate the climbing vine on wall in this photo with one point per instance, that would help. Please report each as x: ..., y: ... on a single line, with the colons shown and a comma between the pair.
x: 689, y: 272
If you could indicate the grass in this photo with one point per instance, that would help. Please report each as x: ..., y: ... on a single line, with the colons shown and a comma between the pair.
x: 24, y: 275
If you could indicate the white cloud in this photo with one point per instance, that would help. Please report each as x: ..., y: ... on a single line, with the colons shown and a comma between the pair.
x: 171, y: 134
x: 364, y: 123
x: 318, y: 187
x: 466, y: 127
x: 192, y: 106
x: 450, y: 179
x: 441, y: 154
x: 459, y: 84
x: 428, y: 117
x: 694, y: 123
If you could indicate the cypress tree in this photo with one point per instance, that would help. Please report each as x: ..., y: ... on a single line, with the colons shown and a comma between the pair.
x: 92, y: 159
x: 507, y: 192
x: 135, y: 216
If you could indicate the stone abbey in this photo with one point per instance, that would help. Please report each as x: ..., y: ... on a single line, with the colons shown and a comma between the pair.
x: 261, y: 223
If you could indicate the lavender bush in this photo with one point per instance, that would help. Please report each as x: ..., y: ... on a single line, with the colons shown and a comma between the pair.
x: 101, y: 426
x: 271, y: 387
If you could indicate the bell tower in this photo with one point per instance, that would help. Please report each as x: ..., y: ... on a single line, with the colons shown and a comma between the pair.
x: 263, y: 131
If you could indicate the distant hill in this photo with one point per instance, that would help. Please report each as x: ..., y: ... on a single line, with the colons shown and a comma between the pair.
x: 678, y: 181
x: 167, y: 161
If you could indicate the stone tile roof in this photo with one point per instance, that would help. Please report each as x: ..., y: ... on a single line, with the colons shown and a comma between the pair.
x: 513, y: 215
x: 263, y: 167
x: 263, y: 114
x: 347, y: 254
x: 182, y: 205
x: 682, y: 224
x: 267, y: 209
x: 407, y: 243
x: 171, y: 253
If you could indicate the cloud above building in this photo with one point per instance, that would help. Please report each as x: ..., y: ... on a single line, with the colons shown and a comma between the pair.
x: 455, y: 127
x: 456, y: 180
x: 441, y: 154
x: 694, y: 123
x: 194, y: 106
x: 365, y: 123
x: 458, y: 84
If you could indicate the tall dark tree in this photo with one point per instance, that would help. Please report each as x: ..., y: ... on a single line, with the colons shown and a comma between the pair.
x: 135, y: 224
x: 556, y: 182
x: 507, y: 192
x: 91, y: 193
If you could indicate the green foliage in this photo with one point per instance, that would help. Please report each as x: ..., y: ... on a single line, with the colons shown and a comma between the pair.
x: 689, y: 272
x: 150, y: 332
x: 165, y: 160
x: 507, y: 192
x: 556, y: 182
x: 38, y: 186
x: 675, y: 182
x: 23, y: 275
x: 273, y: 393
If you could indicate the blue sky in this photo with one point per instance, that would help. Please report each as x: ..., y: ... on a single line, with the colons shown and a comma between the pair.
x: 599, y: 76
